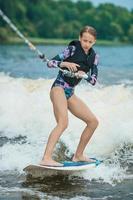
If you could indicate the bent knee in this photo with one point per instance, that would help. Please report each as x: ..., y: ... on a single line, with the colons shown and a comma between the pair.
x: 93, y: 122
x: 63, y: 124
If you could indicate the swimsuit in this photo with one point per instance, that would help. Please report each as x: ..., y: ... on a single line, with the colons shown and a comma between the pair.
x: 74, y: 53
x: 68, y: 90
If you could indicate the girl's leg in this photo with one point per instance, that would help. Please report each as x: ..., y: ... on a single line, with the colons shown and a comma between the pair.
x: 78, y: 108
x: 61, y: 114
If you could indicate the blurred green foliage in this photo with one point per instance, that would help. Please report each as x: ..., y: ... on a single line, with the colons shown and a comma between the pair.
x: 65, y: 18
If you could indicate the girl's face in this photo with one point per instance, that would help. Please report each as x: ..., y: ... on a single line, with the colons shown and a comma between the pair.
x: 87, y: 41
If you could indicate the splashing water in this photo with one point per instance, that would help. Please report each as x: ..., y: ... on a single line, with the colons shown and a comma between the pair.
x: 26, y: 119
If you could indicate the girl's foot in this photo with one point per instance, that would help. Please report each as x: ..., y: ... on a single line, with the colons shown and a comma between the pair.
x: 82, y: 159
x: 50, y: 162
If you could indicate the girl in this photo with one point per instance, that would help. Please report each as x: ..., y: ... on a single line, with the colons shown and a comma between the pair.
x: 80, y: 59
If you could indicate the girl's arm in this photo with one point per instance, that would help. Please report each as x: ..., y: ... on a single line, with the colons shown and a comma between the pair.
x: 94, y: 71
x: 56, y: 61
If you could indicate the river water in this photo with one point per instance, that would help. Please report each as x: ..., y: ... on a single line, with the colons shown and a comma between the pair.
x: 26, y: 119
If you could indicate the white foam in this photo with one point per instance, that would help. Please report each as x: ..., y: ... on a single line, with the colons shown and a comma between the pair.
x: 111, y: 174
x: 26, y: 110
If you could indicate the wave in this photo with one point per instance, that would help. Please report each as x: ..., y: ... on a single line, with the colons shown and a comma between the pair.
x: 26, y: 119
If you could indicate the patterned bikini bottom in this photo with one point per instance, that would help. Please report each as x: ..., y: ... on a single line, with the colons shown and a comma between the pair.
x: 68, y: 90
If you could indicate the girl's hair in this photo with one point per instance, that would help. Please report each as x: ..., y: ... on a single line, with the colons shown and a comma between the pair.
x: 88, y: 29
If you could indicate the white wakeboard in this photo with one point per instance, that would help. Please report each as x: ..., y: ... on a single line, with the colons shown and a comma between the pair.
x: 68, y: 168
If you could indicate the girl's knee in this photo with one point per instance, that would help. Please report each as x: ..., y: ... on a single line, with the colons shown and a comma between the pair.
x: 93, y: 122
x: 96, y: 122
x: 63, y: 124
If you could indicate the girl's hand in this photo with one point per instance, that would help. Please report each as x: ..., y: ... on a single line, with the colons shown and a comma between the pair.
x: 71, y: 66
x: 79, y: 74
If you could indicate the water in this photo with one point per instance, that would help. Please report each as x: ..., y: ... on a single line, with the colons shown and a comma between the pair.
x: 26, y: 119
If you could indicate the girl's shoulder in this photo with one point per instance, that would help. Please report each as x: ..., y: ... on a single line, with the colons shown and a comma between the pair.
x: 74, y: 43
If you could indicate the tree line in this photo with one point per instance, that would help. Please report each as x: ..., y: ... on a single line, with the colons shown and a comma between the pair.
x: 65, y: 18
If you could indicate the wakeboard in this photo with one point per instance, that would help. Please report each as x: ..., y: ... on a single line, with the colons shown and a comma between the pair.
x: 68, y: 167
